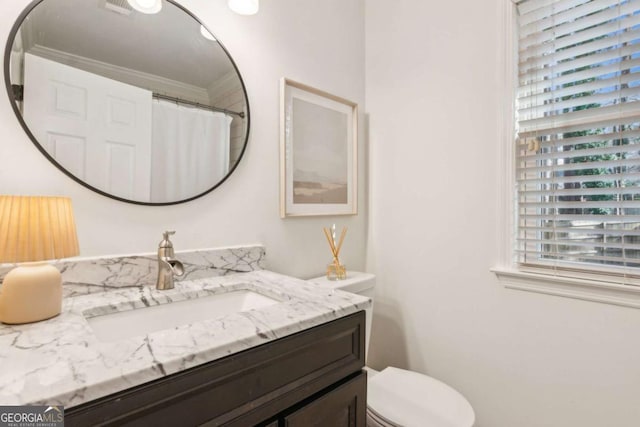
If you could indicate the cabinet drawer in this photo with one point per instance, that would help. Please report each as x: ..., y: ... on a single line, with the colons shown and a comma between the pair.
x: 241, y: 389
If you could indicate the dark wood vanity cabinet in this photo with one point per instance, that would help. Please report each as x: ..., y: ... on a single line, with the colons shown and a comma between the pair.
x: 311, y: 378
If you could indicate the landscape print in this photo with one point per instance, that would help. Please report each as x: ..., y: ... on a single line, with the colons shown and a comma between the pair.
x: 320, y: 155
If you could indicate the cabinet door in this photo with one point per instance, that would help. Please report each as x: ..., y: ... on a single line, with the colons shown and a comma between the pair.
x: 345, y: 406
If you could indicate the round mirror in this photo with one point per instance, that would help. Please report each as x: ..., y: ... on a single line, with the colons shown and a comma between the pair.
x: 134, y: 99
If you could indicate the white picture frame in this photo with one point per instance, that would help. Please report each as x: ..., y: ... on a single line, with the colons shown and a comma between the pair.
x: 318, y: 152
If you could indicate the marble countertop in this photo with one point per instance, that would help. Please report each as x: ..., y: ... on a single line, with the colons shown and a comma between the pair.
x: 61, y: 362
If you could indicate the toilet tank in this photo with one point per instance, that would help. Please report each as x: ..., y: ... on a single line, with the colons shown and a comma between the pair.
x: 357, y: 283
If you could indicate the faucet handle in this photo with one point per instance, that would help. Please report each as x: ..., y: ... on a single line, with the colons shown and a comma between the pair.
x: 166, y: 243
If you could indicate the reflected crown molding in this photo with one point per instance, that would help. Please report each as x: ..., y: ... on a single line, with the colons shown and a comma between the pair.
x: 138, y: 78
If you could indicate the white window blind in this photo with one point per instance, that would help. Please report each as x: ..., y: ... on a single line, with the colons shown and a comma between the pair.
x: 578, y: 136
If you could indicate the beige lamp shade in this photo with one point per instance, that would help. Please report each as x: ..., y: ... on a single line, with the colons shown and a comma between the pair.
x: 35, y: 228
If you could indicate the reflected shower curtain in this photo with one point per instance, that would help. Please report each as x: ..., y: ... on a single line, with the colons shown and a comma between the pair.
x: 190, y: 150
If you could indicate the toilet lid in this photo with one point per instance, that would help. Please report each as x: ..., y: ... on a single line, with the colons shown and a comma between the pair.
x: 411, y: 399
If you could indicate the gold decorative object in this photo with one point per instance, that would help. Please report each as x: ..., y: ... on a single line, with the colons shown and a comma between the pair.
x: 335, y: 270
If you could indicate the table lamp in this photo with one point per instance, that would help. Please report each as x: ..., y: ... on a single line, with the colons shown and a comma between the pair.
x: 34, y: 229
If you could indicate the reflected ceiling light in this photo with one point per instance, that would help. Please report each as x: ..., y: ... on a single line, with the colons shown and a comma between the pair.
x: 206, y: 34
x: 244, y: 7
x: 146, y: 6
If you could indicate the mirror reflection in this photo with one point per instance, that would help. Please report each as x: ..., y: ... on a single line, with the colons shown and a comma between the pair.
x: 143, y: 105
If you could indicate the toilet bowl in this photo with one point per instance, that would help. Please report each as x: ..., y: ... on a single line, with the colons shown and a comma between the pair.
x: 397, y: 397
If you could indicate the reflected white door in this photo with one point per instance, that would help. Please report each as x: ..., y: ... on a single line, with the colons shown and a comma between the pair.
x: 97, y: 128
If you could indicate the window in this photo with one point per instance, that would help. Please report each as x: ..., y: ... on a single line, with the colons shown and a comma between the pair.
x: 577, y: 150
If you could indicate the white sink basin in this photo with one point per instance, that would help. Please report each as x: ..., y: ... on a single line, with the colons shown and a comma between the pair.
x: 142, y: 321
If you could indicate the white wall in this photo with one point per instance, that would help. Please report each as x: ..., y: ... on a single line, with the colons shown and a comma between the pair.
x: 318, y: 43
x: 433, y: 82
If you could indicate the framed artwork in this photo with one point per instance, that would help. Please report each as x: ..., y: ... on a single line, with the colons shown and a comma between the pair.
x: 318, y: 152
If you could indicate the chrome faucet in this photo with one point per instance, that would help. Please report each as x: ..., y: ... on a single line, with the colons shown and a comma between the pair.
x: 168, y: 265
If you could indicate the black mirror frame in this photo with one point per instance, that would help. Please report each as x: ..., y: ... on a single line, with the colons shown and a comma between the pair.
x: 12, y: 99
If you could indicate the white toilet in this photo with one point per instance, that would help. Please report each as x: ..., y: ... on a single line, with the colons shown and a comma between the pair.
x: 396, y: 397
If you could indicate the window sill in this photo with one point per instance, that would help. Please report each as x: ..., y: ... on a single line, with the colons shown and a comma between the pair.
x: 587, y: 290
